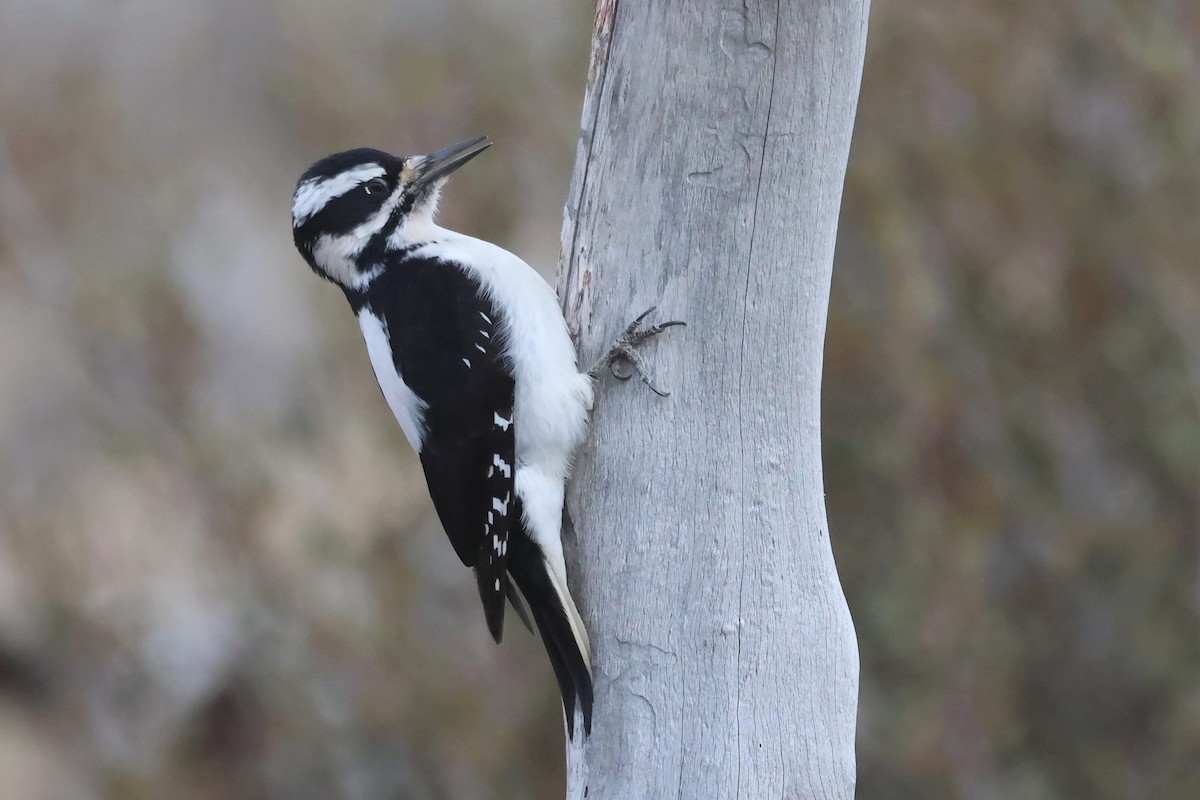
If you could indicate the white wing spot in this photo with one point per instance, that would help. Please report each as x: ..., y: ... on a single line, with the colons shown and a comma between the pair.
x: 486, y: 334
x: 467, y: 361
x: 497, y: 584
x: 480, y: 348
x: 503, y: 422
x: 486, y: 318
x: 504, y: 466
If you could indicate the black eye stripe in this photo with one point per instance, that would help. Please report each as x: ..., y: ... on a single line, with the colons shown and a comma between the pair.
x: 344, y: 213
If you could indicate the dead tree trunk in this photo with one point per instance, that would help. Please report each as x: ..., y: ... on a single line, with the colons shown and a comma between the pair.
x: 708, y: 181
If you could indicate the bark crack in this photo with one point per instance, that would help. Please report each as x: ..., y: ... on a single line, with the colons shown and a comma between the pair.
x: 606, y: 17
x: 741, y: 390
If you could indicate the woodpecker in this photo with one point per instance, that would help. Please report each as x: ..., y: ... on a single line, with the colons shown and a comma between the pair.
x: 471, y: 350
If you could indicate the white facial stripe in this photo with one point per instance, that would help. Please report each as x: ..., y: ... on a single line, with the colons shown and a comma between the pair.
x: 336, y: 254
x: 313, y: 195
x: 380, y: 217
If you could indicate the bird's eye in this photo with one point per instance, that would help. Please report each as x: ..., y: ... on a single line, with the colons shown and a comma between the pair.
x: 375, y: 186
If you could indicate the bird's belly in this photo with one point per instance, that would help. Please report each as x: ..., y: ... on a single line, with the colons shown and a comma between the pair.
x: 551, y: 417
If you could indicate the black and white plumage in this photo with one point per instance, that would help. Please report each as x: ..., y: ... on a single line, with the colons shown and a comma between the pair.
x: 472, y: 353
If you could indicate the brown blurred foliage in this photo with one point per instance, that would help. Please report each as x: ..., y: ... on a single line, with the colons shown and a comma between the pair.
x: 1011, y: 397
x: 219, y: 575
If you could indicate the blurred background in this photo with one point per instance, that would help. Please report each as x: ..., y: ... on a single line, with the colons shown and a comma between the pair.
x: 219, y: 573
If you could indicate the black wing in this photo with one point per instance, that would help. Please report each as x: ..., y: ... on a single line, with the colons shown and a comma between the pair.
x: 446, y: 342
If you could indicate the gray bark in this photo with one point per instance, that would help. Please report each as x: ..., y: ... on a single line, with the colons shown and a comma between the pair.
x: 708, y: 181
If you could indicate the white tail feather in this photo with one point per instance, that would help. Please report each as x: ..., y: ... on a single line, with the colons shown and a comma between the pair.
x: 578, y: 629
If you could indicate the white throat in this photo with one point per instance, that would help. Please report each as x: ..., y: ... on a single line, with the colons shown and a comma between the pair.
x: 418, y: 227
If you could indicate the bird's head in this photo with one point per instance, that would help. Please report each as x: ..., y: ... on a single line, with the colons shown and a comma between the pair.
x: 350, y: 207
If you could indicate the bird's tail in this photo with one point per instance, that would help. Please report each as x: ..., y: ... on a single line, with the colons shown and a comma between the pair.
x: 561, y: 628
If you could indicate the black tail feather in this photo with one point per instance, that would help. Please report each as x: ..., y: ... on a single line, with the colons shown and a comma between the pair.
x: 566, y: 683
x: 518, y: 605
x: 528, y: 568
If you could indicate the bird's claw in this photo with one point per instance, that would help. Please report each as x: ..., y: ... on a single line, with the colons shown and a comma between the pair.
x: 623, y: 350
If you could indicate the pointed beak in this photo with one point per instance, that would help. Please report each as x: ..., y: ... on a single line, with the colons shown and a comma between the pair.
x: 440, y: 164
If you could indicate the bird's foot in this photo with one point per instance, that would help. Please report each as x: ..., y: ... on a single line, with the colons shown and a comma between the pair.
x: 624, y: 350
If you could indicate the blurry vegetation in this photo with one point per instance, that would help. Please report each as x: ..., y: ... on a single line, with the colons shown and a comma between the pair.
x: 219, y: 575
x: 1011, y: 400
